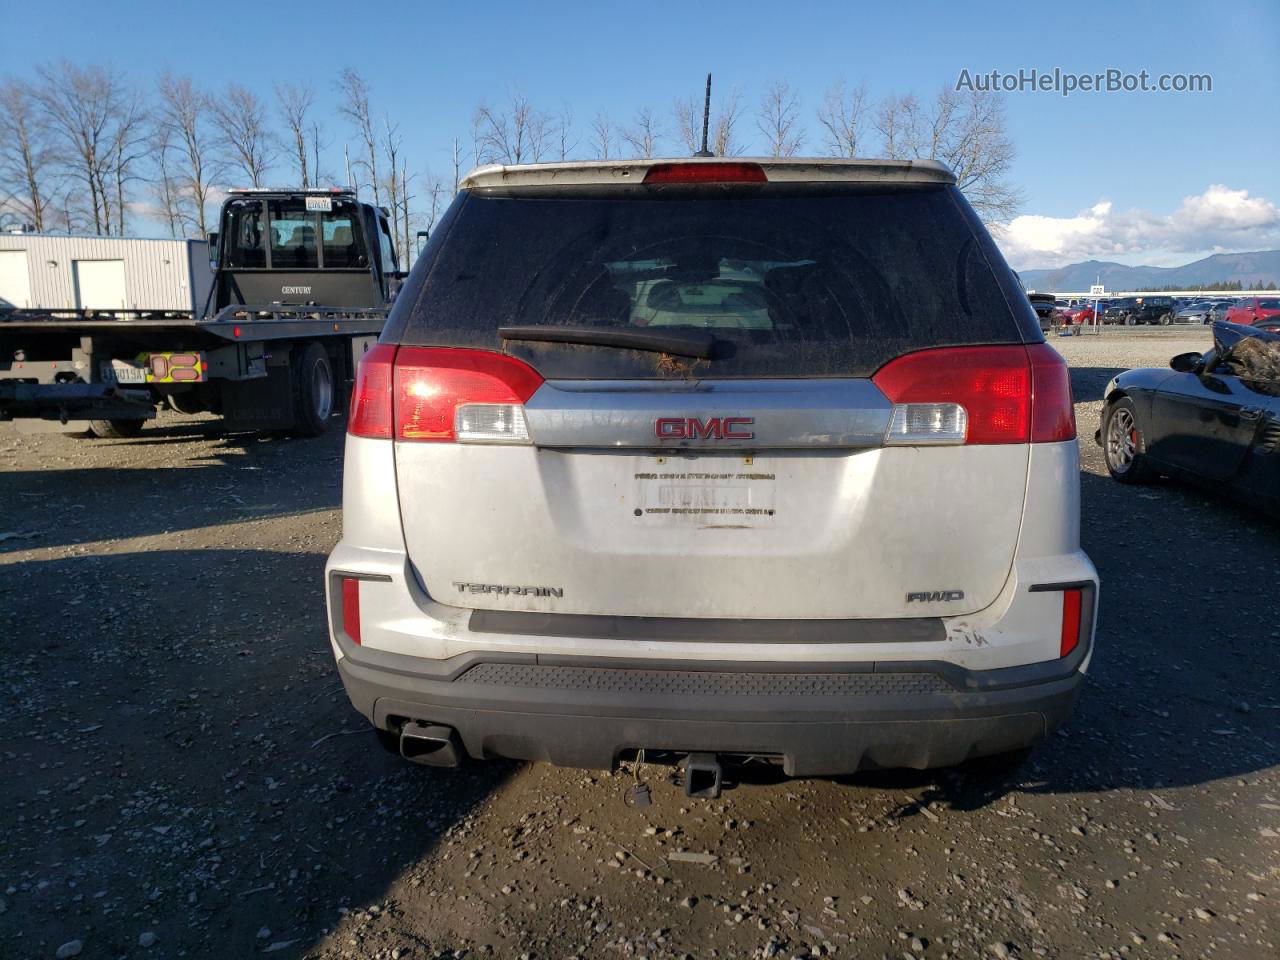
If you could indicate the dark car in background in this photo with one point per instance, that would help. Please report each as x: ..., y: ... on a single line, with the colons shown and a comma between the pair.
x: 1212, y: 418
x: 1131, y: 311
x: 1046, y: 307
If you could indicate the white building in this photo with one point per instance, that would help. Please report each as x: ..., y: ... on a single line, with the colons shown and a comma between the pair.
x: 103, y: 273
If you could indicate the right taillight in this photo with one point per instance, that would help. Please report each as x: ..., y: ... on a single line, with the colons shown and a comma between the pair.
x: 1053, y: 413
x: 978, y: 395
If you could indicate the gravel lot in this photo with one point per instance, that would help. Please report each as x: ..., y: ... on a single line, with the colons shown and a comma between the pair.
x: 183, y: 776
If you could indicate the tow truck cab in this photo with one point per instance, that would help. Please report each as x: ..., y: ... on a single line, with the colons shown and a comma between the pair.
x: 296, y: 247
x: 303, y: 280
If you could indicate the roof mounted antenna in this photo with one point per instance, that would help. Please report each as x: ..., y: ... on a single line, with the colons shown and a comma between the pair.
x: 706, y: 121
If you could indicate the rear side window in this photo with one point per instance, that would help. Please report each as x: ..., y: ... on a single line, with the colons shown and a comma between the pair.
x: 793, y: 285
x: 293, y: 236
x: 342, y: 247
x: 246, y: 232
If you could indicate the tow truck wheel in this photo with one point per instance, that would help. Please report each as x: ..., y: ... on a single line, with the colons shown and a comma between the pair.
x: 115, y: 429
x: 312, y: 392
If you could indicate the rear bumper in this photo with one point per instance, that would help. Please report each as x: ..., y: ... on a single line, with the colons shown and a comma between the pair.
x: 817, y: 719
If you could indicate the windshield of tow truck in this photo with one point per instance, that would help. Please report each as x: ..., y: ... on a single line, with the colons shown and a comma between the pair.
x: 282, y: 234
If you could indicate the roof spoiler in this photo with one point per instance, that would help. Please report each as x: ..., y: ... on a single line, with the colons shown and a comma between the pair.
x: 776, y: 170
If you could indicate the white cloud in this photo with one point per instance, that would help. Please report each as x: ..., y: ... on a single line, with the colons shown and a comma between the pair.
x: 1220, y: 220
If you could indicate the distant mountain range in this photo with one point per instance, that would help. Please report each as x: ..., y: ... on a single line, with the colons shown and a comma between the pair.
x: 1252, y: 270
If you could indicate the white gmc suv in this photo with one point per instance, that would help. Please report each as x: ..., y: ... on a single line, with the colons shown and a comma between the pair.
x: 732, y: 459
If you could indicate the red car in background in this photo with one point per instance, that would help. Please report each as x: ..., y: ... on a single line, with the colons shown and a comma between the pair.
x: 1252, y: 310
x: 1083, y: 315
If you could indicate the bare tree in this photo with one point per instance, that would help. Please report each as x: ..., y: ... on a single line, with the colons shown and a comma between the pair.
x: 25, y: 157
x: 457, y: 165
x: 893, y: 121
x: 541, y: 135
x: 184, y: 112
x: 436, y: 201
x: 842, y: 115
x: 602, y: 136
x: 295, y: 103
x: 477, y: 134
x: 164, y: 187
x: 724, y: 125
x: 129, y: 144
x: 404, y: 210
x: 355, y: 107
x: 243, y: 135
x: 565, y: 141
x: 686, y: 111
x: 518, y: 133
x: 317, y: 144
x: 79, y: 105
x: 779, y: 120
x: 964, y: 130
x: 644, y: 135
x: 391, y: 144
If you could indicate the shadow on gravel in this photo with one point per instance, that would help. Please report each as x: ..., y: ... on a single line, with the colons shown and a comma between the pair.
x: 181, y: 758
x: 1088, y: 383
x: 1181, y: 689
x: 83, y: 504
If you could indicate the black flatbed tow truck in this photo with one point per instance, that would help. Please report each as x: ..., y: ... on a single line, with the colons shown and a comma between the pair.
x: 303, y: 282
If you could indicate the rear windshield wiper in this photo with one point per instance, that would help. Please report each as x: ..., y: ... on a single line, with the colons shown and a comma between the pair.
x: 684, y: 343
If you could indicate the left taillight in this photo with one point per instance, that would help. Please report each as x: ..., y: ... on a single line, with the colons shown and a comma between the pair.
x: 442, y: 394
x: 371, y: 395
x: 455, y: 395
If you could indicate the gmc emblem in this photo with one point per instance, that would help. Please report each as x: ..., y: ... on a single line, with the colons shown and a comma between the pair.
x: 713, y: 428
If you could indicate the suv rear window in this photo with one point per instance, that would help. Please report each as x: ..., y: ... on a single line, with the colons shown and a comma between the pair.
x: 829, y: 284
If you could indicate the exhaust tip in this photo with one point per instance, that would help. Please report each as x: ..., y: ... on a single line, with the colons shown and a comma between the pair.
x: 702, y: 776
x: 431, y: 745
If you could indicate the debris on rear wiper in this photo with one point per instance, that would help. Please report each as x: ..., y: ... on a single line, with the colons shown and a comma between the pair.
x: 684, y: 343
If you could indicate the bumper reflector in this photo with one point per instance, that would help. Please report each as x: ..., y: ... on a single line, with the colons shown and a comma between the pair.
x: 351, y: 609
x: 1071, y: 605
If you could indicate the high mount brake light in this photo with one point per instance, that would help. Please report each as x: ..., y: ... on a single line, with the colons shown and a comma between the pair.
x: 732, y: 172
x: 443, y: 394
x: 978, y: 395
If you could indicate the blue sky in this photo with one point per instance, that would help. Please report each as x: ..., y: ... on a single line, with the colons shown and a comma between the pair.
x: 1141, y: 153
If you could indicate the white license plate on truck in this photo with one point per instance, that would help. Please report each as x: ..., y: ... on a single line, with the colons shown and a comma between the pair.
x: 120, y: 371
